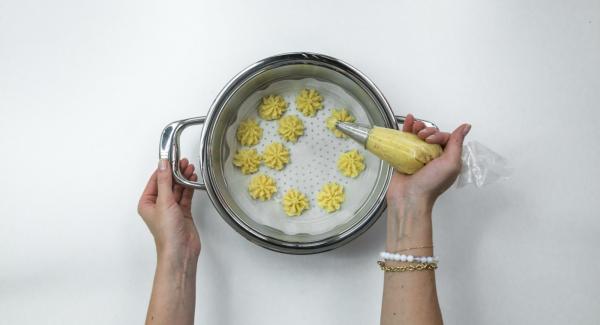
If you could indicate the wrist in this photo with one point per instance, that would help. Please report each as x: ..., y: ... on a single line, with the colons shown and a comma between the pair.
x: 409, y: 224
x: 182, y: 246
x: 178, y: 266
x: 177, y: 253
x: 398, y: 196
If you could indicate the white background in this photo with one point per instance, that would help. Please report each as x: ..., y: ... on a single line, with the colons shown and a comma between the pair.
x: 87, y: 86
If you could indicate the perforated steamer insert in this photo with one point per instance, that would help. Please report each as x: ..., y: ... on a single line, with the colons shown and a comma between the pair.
x: 313, y: 157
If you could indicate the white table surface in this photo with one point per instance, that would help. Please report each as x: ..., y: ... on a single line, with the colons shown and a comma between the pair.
x: 87, y: 86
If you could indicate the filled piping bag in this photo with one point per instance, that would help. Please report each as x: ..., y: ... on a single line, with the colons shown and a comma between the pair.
x: 408, y: 153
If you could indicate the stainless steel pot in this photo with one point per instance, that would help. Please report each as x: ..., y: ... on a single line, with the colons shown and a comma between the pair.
x: 214, y: 150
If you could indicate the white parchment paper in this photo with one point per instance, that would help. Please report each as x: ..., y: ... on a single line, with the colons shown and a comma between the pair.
x: 313, y: 161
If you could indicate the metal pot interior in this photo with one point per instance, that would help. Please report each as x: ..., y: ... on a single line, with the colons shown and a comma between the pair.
x: 223, y: 114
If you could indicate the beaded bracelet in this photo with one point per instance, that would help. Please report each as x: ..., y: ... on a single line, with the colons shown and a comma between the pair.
x: 409, y: 258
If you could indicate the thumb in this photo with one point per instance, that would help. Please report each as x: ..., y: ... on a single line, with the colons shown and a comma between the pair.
x: 165, y: 181
x: 453, y: 149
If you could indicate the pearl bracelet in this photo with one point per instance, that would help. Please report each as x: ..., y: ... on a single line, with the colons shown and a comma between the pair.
x: 409, y: 258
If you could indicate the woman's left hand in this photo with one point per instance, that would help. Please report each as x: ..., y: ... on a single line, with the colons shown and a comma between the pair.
x: 167, y: 211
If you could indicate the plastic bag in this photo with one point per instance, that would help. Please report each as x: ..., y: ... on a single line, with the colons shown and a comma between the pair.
x: 481, y: 166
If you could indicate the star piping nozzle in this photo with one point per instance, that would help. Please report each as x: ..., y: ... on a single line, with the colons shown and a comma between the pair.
x: 357, y: 132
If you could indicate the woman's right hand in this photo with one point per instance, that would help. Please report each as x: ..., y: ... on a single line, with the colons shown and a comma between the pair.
x: 411, y: 297
x: 438, y: 175
x: 410, y: 198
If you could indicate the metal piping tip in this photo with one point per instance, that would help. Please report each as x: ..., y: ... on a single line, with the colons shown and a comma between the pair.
x: 356, y: 132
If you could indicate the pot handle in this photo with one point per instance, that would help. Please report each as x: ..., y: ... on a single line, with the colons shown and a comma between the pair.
x: 400, y: 119
x: 168, y: 148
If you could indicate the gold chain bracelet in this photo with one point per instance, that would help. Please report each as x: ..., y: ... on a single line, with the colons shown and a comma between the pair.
x: 408, y: 267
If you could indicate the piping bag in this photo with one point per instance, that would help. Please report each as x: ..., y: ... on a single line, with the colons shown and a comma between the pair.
x: 408, y: 153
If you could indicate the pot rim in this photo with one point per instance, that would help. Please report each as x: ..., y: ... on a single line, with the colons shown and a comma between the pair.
x: 206, y: 151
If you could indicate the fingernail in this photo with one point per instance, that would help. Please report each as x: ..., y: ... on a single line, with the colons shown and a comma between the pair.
x: 466, y: 129
x: 162, y: 164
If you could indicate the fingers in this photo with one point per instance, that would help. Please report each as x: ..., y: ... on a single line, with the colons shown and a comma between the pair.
x: 148, y: 197
x: 454, y: 145
x: 418, y: 126
x: 187, y: 173
x: 426, y: 132
x: 188, y: 194
x: 438, y: 138
x: 183, y: 163
x: 177, y: 189
x: 165, y: 182
x: 408, y: 123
